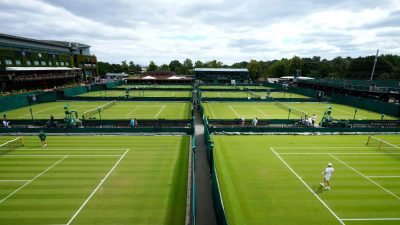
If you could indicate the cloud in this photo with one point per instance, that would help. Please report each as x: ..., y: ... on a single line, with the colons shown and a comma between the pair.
x: 228, y: 31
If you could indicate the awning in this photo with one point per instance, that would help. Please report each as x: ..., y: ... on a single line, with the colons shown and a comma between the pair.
x: 175, y: 78
x: 148, y: 78
x: 40, y: 68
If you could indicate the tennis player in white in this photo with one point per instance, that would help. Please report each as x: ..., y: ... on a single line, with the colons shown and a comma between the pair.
x: 327, y: 176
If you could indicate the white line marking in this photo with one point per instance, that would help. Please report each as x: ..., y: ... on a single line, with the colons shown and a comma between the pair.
x: 336, y: 153
x: 64, y: 149
x: 47, y: 155
x: 40, y: 174
x: 383, y: 176
x: 305, y: 184
x: 259, y: 110
x: 234, y: 111
x: 391, y: 193
x: 162, y: 108
x: 134, y: 110
x: 371, y: 219
x: 6, y: 181
x: 98, y: 186
x: 28, y: 115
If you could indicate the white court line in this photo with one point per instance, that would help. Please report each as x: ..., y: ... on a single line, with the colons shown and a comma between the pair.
x: 335, y: 153
x: 370, y: 219
x: 162, y: 108
x: 383, y: 176
x: 27, y: 115
x: 134, y: 110
x: 47, y: 155
x: 98, y: 186
x: 6, y: 181
x: 308, y: 187
x: 63, y: 149
x: 259, y: 110
x: 40, y: 174
x: 234, y: 111
x: 391, y: 193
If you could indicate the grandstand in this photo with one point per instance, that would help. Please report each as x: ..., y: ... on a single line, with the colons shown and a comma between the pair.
x: 27, y: 63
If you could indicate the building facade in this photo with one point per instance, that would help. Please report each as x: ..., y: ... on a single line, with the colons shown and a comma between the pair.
x: 29, y: 64
x: 222, y: 75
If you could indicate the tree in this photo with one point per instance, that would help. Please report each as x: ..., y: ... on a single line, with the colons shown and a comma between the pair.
x: 295, y: 65
x: 174, y: 64
x: 164, y: 67
x: 255, y: 69
x: 198, y: 64
x: 279, y: 68
x: 124, y: 66
x: 152, y: 66
x: 188, y: 64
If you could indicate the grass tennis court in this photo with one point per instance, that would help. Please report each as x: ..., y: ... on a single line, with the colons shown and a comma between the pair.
x: 231, y: 110
x: 211, y: 87
x: 245, y: 94
x: 95, y: 180
x: 121, y: 110
x: 157, y: 86
x: 276, y: 180
x: 138, y: 93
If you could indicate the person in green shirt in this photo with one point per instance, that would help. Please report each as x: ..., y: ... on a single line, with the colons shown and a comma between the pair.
x: 42, y: 137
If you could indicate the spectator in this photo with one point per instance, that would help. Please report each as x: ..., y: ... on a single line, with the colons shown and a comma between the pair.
x: 132, y: 123
x: 254, y: 122
x: 6, y: 124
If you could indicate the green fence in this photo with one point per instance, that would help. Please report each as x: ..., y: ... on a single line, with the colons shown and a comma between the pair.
x: 21, y: 100
x: 368, y: 104
x: 193, y: 174
x: 69, y: 92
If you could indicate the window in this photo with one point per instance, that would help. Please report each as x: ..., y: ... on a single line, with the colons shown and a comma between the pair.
x: 9, y: 62
x: 18, y: 62
x: 67, y: 63
x: 43, y: 63
x: 62, y: 63
x: 49, y: 63
x: 36, y: 63
x: 28, y: 62
x: 57, y: 64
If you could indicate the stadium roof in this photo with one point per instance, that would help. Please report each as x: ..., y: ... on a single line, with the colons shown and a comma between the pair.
x: 220, y: 70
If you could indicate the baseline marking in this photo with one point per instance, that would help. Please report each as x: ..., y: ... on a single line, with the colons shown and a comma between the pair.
x: 37, y: 176
x: 234, y: 111
x: 308, y: 187
x: 162, y: 108
x: 6, y: 181
x: 98, y: 186
x: 336, y: 153
x: 391, y: 193
x: 383, y: 176
x: 370, y: 219
x: 47, y: 155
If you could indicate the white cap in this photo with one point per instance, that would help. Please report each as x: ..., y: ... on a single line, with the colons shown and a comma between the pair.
x: 329, y: 164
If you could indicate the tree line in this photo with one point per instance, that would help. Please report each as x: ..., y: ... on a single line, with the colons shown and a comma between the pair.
x: 387, y: 67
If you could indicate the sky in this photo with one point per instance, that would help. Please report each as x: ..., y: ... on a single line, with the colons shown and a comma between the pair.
x: 226, y: 30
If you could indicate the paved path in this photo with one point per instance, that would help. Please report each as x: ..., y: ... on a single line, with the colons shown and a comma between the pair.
x: 205, y: 207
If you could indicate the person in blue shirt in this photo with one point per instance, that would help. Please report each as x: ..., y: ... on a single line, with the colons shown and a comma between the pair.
x: 132, y: 123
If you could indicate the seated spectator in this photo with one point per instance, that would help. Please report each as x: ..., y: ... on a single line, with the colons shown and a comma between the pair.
x: 6, y: 124
x: 254, y: 122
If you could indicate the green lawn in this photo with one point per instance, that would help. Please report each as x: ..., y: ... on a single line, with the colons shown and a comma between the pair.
x: 156, y: 86
x: 138, y: 93
x: 95, y: 180
x: 276, y: 180
x: 245, y: 94
x: 231, y: 110
x: 211, y: 87
x: 121, y: 110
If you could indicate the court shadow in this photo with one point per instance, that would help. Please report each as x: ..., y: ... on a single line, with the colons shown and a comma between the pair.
x: 318, y: 189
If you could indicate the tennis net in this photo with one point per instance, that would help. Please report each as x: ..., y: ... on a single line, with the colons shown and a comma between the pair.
x: 91, y: 112
x: 382, y: 145
x: 11, y: 145
x: 293, y: 110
